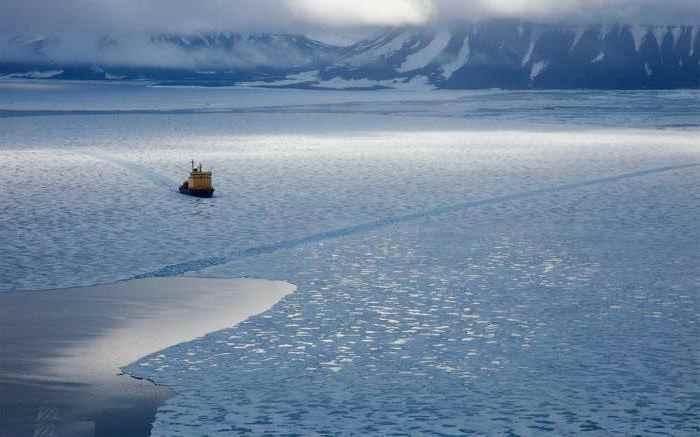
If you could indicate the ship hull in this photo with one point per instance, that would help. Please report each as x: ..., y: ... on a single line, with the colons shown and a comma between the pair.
x: 197, y: 193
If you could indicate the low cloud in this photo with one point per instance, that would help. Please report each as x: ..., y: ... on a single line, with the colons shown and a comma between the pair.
x: 77, y: 29
x: 590, y: 11
x: 47, y: 16
x: 346, y: 13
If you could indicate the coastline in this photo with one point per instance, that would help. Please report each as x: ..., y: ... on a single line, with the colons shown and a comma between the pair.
x: 61, y: 351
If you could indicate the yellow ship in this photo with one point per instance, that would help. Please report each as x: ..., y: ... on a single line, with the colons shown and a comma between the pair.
x: 199, y: 183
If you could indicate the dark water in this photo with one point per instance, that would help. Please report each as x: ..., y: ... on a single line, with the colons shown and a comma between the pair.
x: 60, y: 350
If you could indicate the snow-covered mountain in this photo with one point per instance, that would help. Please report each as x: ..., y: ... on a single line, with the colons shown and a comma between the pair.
x: 206, y: 58
x: 522, y: 55
x: 498, y: 54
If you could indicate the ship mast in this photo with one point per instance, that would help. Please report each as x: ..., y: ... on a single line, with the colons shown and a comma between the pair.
x: 199, y: 182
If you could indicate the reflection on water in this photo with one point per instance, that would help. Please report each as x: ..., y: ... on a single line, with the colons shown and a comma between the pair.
x: 60, y: 366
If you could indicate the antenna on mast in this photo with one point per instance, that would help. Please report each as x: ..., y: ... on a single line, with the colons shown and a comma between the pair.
x: 199, y: 182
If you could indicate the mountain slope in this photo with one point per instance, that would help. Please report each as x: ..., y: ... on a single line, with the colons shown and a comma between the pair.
x: 521, y: 55
x: 213, y: 57
x: 497, y: 54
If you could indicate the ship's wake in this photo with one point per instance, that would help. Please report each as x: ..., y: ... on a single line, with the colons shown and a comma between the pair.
x: 204, y: 263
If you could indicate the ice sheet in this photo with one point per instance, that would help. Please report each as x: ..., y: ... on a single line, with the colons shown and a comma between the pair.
x: 485, y: 262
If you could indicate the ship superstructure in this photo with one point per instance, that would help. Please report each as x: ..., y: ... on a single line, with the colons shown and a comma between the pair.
x: 199, y: 183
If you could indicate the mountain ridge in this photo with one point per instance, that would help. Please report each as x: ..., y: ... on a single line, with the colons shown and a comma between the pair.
x: 497, y: 54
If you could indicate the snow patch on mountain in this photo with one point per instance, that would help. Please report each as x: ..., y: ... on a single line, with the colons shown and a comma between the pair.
x: 579, y: 32
x: 415, y: 84
x: 603, y: 31
x: 537, y: 69
x: 47, y: 74
x: 460, y: 61
x: 528, y: 55
x: 312, y: 80
x: 534, y: 39
x: 639, y: 33
x: 379, y: 51
x: 30, y: 39
x: 309, y: 78
x: 425, y: 56
x: 110, y: 76
x: 659, y: 33
x: 676, y: 32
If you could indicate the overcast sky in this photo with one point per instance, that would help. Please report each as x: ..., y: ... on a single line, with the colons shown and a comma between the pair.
x: 42, y: 16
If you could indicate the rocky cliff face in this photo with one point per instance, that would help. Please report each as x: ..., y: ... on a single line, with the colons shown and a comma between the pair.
x: 499, y: 54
